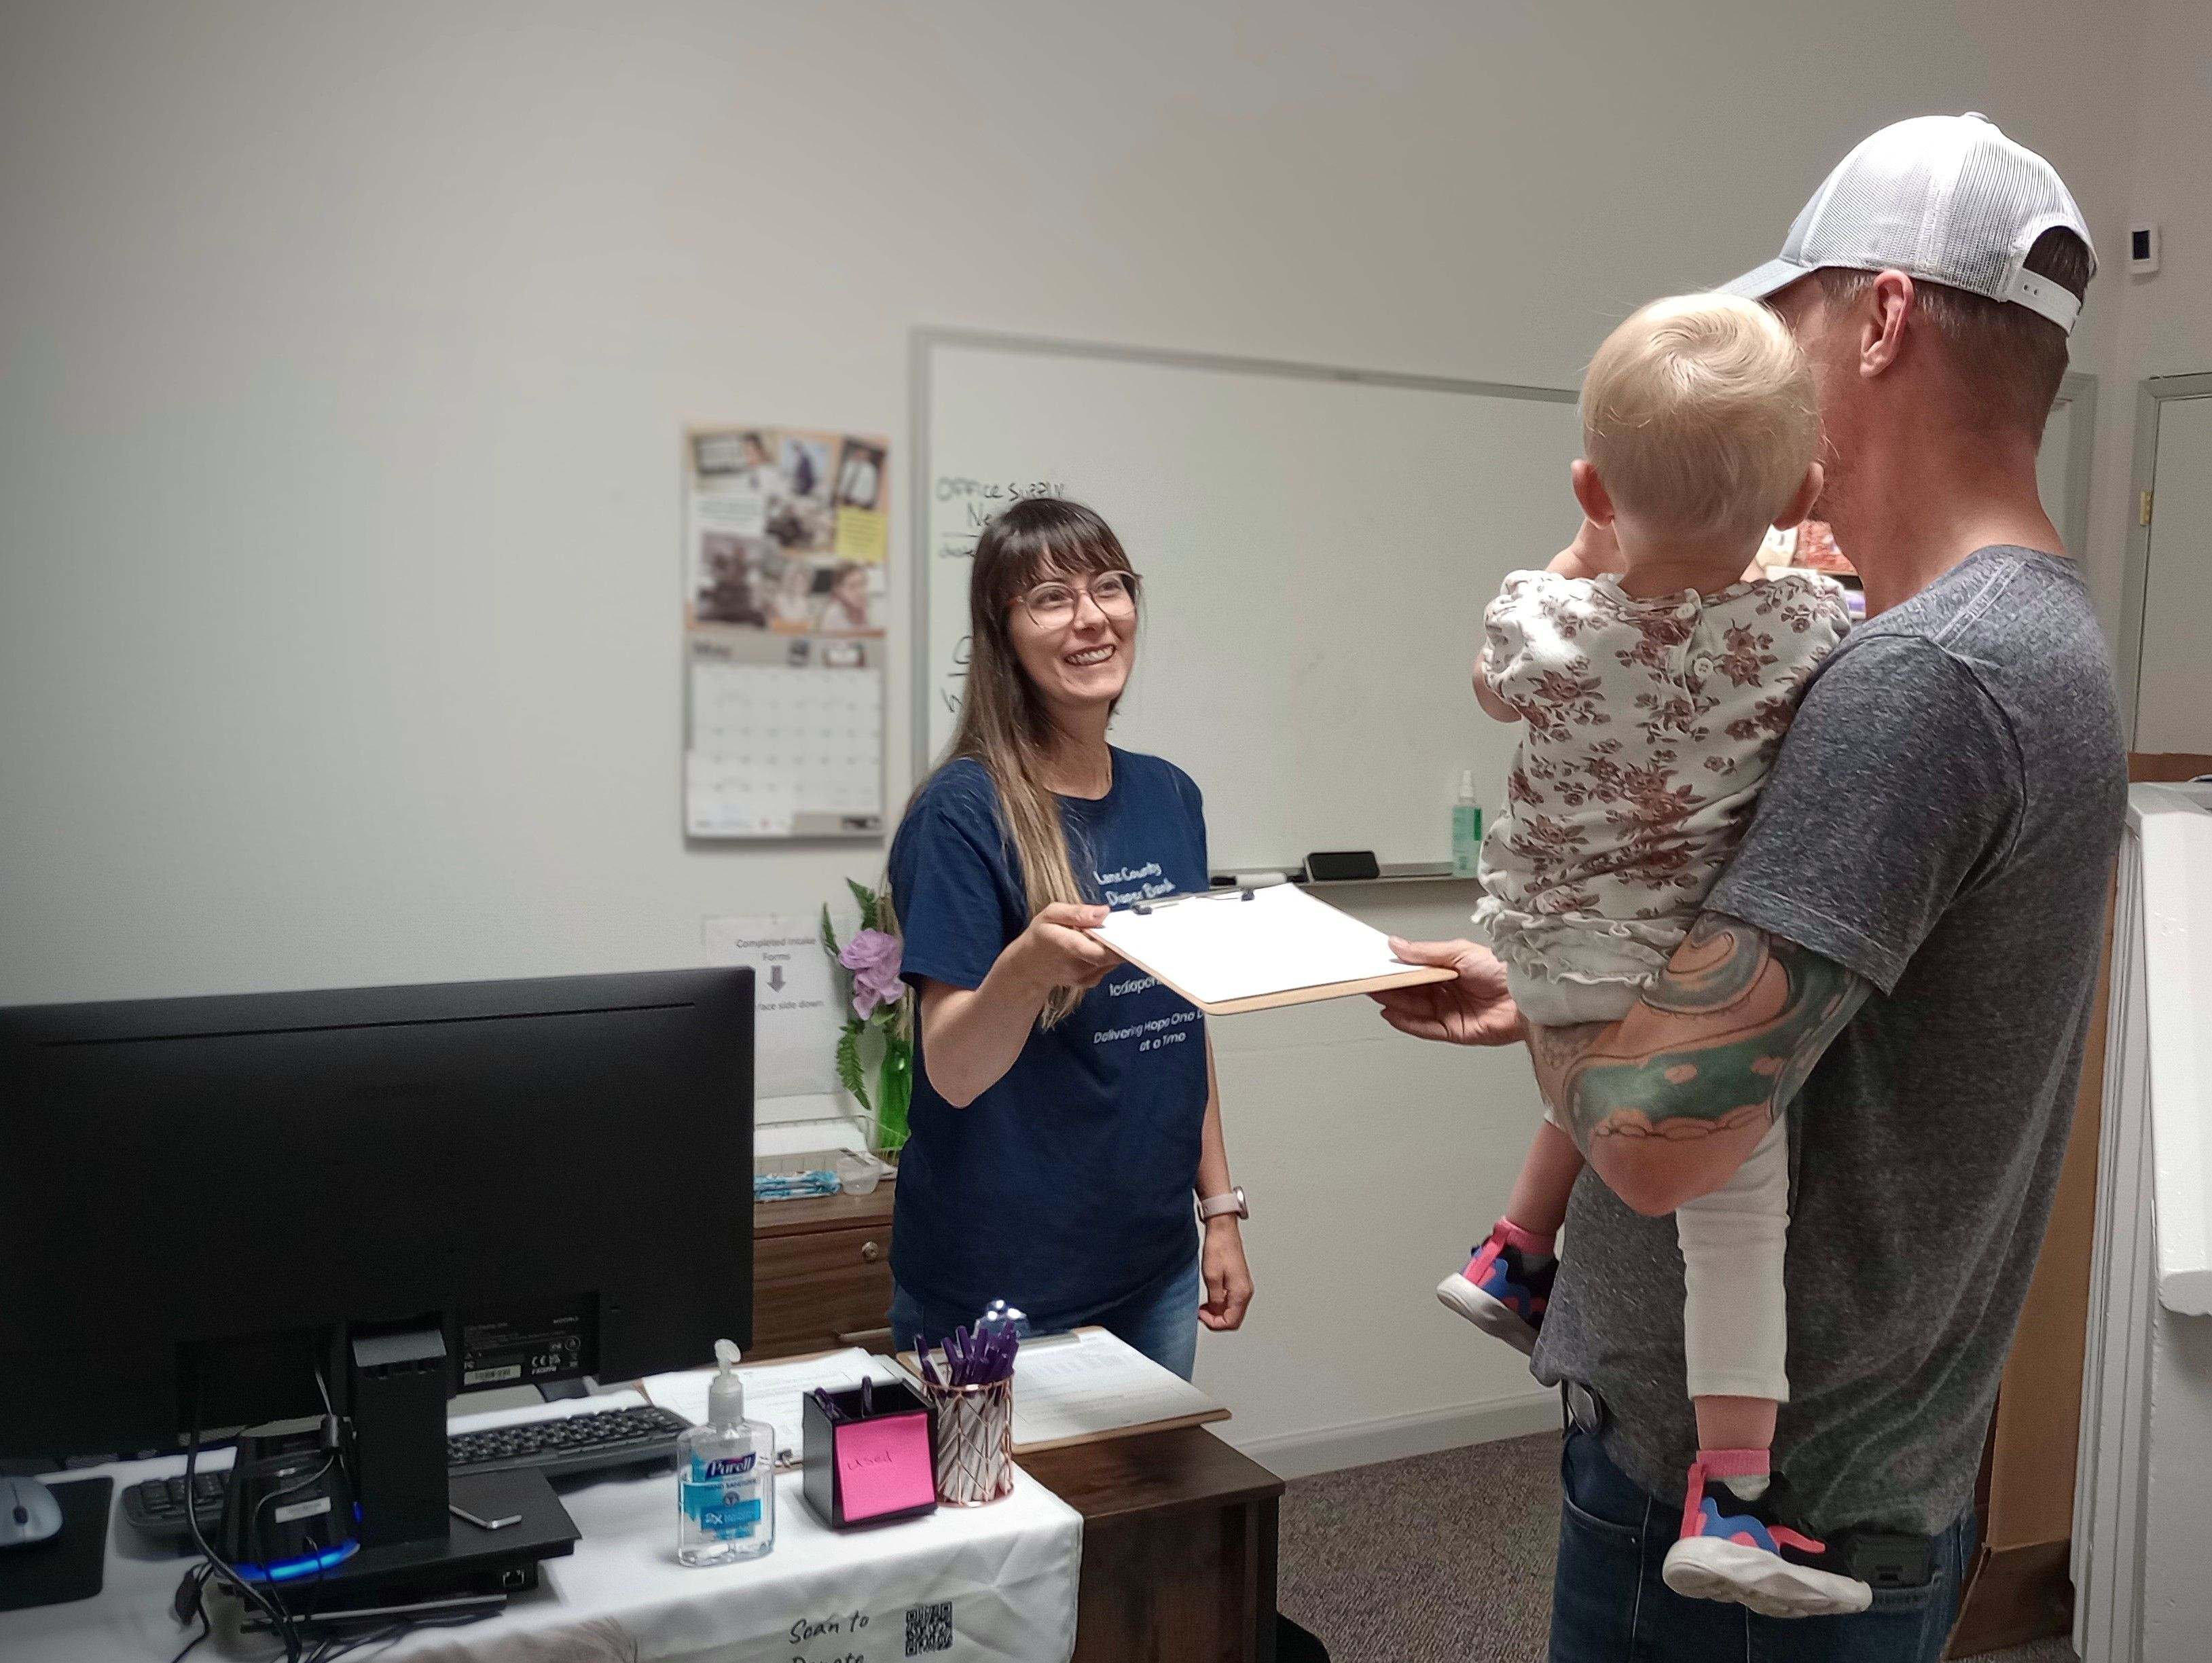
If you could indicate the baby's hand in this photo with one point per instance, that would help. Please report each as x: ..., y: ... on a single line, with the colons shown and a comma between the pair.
x: 1594, y: 552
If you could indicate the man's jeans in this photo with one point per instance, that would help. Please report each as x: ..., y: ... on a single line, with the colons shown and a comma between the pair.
x: 1609, y: 1605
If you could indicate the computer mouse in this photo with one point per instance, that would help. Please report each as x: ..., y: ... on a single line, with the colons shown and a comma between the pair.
x: 28, y: 1512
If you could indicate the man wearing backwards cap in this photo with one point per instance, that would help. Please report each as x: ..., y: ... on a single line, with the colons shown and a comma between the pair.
x: 1904, y: 947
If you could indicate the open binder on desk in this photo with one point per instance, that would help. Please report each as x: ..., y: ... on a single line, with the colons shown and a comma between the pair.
x: 1087, y: 1385
x: 1232, y: 950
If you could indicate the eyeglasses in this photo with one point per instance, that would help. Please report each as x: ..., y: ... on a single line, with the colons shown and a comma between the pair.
x: 1052, y: 605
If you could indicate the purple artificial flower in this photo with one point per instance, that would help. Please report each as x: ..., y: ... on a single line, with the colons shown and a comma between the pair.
x: 873, y: 959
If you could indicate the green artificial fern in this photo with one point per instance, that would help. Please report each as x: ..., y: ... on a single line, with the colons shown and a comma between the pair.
x: 849, y: 1064
x: 869, y: 910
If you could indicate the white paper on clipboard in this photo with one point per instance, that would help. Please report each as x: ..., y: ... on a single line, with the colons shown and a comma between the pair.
x: 1246, y: 949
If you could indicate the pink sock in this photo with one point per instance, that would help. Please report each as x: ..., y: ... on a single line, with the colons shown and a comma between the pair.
x: 1527, y: 1241
x: 1745, y: 1472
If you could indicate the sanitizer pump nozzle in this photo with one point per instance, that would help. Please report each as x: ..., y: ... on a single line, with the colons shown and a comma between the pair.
x: 725, y: 1396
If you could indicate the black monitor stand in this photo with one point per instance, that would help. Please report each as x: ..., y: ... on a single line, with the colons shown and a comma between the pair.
x: 412, y: 1545
x: 395, y: 1394
x: 464, y: 1558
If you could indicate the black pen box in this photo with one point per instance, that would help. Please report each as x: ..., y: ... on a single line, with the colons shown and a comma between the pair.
x: 868, y: 1460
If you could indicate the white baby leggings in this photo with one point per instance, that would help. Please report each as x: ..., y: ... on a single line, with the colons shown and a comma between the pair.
x: 1734, y: 1312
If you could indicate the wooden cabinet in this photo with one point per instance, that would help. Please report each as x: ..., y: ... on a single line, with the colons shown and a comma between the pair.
x: 822, y: 1274
x: 1178, y: 1547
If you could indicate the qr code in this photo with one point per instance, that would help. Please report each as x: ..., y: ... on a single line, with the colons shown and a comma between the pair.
x: 929, y: 1628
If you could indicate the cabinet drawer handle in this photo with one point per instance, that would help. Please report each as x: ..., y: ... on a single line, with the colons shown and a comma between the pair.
x: 870, y: 1252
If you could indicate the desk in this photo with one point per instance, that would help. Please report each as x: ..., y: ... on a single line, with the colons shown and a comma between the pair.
x: 1178, y: 1557
x: 1008, y: 1576
x: 1178, y: 1528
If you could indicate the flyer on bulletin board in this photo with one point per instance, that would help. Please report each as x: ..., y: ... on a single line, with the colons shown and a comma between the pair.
x: 787, y: 586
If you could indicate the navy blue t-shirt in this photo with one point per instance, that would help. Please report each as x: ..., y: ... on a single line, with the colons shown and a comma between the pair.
x: 1065, y: 1188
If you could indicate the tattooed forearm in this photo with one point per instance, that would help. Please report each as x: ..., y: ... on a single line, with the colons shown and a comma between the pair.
x: 1720, y: 1043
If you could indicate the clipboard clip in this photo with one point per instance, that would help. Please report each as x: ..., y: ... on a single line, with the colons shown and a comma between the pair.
x: 1145, y: 908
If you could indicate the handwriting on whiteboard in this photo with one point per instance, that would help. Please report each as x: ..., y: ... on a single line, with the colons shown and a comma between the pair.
x: 965, y: 506
x: 960, y: 508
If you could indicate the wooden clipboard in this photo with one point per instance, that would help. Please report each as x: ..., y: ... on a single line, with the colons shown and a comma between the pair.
x: 1415, y: 975
x: 1169, y: 975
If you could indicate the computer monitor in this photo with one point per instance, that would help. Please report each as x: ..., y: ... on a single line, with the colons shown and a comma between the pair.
x: 204, y: 1202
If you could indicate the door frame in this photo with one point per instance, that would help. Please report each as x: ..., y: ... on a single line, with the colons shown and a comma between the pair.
x: 2078, y: 393
x: 2134, y: 571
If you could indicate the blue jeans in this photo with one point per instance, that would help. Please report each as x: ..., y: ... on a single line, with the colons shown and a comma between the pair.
x: 1160, y: 1320
x: 1609, y: 1605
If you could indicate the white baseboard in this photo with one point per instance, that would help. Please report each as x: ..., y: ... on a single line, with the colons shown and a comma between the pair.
x: 1393, y: 1437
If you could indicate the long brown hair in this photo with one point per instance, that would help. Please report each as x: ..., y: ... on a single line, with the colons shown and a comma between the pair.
x: 1004, y: 725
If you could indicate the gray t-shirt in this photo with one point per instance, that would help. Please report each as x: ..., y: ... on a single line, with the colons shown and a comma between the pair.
x: 1943, y: 820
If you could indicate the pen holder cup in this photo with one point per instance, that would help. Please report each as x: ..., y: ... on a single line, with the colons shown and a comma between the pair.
x: 975, y: 1441
x: 868, y: 1458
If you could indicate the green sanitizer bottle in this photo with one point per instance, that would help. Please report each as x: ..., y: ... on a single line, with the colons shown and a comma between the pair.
x: 1466, y: 829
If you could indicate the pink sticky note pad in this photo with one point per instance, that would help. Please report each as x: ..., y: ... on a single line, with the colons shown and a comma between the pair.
x: 883, y: 1466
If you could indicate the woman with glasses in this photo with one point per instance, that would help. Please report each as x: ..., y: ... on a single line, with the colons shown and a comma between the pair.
x: 1064, y: 1116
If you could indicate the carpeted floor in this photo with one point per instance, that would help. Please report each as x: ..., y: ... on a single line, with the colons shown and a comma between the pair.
x: 1444, y: 1559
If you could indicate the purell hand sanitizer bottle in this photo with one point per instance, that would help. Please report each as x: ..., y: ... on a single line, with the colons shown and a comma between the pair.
x: 726, y: 1477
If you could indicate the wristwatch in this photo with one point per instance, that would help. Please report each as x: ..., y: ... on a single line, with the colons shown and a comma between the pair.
x: 1213, y: 1206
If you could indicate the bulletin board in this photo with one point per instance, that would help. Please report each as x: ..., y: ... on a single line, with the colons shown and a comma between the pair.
x: 786, y: 569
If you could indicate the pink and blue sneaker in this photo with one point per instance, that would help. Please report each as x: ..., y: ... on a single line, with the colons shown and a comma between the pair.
x: 1505, y: 1286
x: 1748, y: 1551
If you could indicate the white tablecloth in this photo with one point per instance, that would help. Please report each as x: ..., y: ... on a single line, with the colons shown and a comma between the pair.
x: 987, y: 1585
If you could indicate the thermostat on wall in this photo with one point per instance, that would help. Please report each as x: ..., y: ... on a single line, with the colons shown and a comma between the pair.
x: 2143, y: 248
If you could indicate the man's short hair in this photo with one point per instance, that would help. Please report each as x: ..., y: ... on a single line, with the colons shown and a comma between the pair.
x: 2012, y: 357
x: 1700, y: 416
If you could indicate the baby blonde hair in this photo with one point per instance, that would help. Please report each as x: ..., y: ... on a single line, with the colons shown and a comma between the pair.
x: 1698, y: 413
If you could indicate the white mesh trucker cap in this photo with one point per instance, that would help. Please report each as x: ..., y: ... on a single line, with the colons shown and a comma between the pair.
x: 1946, y: 199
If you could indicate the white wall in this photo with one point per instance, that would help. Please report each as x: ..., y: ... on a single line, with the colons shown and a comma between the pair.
x: 2165, y: 319
x: 2163, y: 325
x: 344, y: 350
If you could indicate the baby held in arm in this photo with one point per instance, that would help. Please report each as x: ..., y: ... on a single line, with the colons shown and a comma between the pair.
x: 1653, y: 673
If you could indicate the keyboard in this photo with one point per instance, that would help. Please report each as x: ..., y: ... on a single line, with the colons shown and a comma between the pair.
x: 559, y: 1449
x: 576, y: 1443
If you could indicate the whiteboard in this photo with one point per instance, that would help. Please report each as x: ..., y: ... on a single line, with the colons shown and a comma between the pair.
x: 1316, y: 546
